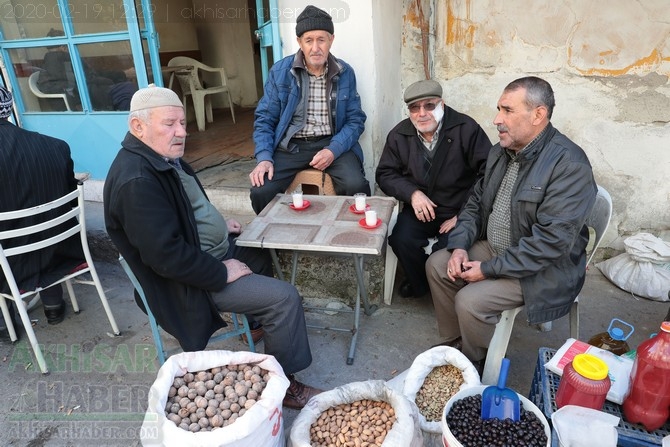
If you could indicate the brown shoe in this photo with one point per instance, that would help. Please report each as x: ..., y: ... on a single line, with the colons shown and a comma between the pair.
x: 298, y: 394
x: 256, y: 335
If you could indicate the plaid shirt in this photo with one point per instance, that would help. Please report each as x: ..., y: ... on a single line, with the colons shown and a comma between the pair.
x: 318, y: 116
x: 498, y: 231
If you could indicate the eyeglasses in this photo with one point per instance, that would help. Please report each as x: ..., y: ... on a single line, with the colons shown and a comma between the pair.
x: 428, y: 107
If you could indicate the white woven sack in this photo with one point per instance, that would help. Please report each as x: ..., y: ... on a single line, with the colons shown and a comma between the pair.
x: 261, y: 425
x: 647, y: 247
x: 422, y: 366
x: 641, y: 278
x: 405, y: 431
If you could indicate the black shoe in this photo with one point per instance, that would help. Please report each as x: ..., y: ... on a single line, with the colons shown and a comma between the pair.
x: 479, y: 366
x: 406, y: 290
x: 4, y: 335
x: 55, y: 313
x: 4, y: 331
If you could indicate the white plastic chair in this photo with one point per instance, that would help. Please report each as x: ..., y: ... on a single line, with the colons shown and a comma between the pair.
x: 598, y: 221
x: 240, y: 322
x: 34, y: 88
x: 189, y: 81
x: 74, y: 220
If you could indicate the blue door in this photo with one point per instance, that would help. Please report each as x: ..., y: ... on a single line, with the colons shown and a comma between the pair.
x: 268, y: 34
x: 73, y: 65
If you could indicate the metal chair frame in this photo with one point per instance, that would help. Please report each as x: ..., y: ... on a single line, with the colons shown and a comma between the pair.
x: 76, y: 217
x: 240, y: 327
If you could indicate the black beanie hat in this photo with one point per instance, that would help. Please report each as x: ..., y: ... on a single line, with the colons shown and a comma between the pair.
x: 314, y: 18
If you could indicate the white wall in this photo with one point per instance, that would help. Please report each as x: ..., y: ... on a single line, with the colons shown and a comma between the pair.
x: 225, y: 40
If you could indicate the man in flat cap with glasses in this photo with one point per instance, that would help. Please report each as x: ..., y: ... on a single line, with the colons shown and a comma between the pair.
x: 430, y: 163
x: 309, y: 116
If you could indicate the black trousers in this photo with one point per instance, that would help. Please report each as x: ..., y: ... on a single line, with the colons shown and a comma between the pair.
x: 346, y: 171
x: 408, y: 240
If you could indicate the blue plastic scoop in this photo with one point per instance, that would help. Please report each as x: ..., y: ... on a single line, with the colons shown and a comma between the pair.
x: 500, y: 402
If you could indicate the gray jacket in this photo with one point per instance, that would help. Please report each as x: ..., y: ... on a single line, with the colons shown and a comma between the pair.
x: 551, y: 200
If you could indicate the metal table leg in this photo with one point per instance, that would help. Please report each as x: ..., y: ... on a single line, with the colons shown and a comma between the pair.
x: 362, y: 290
x: 275, y: 261
x: 361, y: 296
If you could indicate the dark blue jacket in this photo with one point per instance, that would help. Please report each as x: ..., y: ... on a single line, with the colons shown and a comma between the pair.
x: 283, y: 94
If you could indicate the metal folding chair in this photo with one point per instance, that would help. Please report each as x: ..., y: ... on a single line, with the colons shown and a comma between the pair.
x: 240, y: 323
x: 69, y: 222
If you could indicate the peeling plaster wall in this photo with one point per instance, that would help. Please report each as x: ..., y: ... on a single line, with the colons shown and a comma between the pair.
x: 608, y: 63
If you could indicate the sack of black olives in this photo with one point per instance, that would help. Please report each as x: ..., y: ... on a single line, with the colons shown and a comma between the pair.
x: 435, y: 376
x: 216, y: 398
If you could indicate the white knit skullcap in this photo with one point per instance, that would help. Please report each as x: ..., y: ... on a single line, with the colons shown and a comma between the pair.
x: 151, y: 97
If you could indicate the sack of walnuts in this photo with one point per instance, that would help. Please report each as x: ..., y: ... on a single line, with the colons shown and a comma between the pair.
x: 355, y: 413
x: 435, y: 376
x: 187, y: 407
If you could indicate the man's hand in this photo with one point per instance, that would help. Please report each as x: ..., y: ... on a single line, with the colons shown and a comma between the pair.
x: 460, y: 267
x: 257, y: 176
x: 424, y: 208
x: 234, y: 227
x: 236, y: 269
x: 472, y: 272
x: 459, y: 257
x: 322, y: 159
x: 448, y: 225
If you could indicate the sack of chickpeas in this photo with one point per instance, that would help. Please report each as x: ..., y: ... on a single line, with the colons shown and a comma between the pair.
x: 435, y: 376
x: 356, y: 415
x: 216, y: 398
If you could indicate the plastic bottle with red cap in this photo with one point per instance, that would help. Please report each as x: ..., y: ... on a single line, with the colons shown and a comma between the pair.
x: 585, y: 383
x: 648, y: 400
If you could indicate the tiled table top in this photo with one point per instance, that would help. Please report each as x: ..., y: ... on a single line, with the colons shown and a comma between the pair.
x: 327, y: 225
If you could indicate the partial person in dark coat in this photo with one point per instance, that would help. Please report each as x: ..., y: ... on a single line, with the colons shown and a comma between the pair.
x: 35, y: 169
x: 183, y: 251
x: 430, y: 163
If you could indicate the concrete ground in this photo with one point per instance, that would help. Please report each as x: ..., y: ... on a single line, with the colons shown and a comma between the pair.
x: 96, y: 392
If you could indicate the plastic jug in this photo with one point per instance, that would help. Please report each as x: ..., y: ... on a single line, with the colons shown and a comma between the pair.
x: 584, y: 383
x: 648, y: 400
x: 614, y: 340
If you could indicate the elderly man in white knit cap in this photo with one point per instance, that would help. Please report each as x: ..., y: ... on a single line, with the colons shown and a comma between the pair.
x: 35, y: 169
x: 182, y: 249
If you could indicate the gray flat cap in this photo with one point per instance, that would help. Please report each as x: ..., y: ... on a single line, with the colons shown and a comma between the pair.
x: 423, y: 90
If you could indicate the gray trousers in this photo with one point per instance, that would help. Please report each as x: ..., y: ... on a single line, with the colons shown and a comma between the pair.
x: 277, y: 305
x: 470, y: 311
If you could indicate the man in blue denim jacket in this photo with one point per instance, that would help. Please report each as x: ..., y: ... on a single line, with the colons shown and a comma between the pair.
x: 309, y: 116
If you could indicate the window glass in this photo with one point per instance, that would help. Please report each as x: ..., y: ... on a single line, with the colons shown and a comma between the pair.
x: 23, y: 19
x: 42, y: 91
x: 109, y: 74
